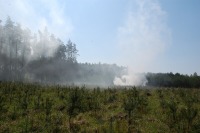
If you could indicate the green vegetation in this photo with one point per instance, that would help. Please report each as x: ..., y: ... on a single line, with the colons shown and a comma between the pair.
x: 41, y: 108
x: 173, y: 80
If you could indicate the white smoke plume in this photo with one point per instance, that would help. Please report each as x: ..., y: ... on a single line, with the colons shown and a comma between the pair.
x: 38, y: 15
x: 136, y: 79
x: 142, y: 38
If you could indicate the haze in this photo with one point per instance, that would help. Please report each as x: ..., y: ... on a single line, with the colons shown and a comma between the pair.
x: 145, y: 35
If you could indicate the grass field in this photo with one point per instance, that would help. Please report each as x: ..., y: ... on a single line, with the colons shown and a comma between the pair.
x: 40, y: 108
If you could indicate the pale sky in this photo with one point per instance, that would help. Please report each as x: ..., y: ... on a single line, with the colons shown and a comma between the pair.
x: 145, y: 35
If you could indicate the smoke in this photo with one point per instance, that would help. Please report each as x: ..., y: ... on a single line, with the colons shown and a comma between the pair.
x: 136, y: 79
x: 37, y: 15
x: 143, y: 37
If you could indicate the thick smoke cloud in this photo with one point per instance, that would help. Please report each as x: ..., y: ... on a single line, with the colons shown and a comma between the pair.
x: 142, y: 38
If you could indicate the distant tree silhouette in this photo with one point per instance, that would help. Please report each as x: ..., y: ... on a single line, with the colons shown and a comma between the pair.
x: 72, y: 52
x: 173, y: 80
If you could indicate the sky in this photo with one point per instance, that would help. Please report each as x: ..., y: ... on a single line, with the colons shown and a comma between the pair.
x: 145, y: 35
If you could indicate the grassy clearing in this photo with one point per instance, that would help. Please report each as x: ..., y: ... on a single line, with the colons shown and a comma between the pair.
x: 35, y: 108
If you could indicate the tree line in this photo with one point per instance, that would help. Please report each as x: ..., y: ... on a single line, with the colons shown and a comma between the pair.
x: 42, y: 57
x: 173, y: 80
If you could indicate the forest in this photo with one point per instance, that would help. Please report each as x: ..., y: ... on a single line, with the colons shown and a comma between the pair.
x: 173, y: 80
x: 43, y: 58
